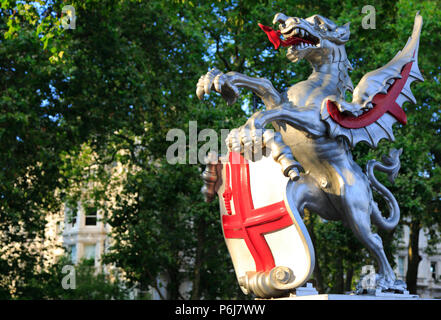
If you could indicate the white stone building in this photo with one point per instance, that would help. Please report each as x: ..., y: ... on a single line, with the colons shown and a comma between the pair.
x: 84, y: 234
x: 429, y: 268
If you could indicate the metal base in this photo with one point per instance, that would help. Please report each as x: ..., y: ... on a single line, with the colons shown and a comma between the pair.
x: 308, y: 292
x: 353, y: 297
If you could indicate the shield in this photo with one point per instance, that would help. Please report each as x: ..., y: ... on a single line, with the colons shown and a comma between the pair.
x: 268, y: 242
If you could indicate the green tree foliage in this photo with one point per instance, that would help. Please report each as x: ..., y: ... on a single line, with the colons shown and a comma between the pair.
x: 31, y: 138
x: 73, y: 102
x: 86, y: 282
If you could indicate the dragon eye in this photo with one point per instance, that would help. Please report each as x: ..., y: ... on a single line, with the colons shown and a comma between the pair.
x: 323, y: 28
x: 320, y: 24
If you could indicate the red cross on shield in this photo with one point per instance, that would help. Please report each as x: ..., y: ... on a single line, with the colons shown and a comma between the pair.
x: 260, y: 229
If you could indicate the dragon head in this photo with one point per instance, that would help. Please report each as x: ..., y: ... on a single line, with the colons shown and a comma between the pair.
x: 316, y: 38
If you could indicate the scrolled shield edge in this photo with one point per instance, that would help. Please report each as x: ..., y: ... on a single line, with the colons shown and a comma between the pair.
x: 290, y: 244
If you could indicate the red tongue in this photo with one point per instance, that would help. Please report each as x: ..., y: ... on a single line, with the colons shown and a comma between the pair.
x: 274, y: 37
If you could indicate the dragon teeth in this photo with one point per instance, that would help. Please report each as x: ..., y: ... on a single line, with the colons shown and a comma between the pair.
x: 302, y: 33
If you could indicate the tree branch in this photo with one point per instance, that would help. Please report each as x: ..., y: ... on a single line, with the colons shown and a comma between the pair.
x: 227, y: 65
x: 155, y: 286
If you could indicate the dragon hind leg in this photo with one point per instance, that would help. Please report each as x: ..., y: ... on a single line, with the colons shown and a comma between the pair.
x: 359, y: 222
x: 306, y: 193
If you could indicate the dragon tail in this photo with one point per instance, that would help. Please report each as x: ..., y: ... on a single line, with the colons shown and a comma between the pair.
x: 390, y: 165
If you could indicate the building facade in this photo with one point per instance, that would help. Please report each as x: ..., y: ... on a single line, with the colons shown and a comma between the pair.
x: 85, y: 236
x: 429, y: 268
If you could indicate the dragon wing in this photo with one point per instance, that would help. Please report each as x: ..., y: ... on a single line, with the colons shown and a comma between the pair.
x: 377, y: 99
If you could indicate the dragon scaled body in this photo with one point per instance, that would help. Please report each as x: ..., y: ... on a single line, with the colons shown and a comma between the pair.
x: 316, y: 127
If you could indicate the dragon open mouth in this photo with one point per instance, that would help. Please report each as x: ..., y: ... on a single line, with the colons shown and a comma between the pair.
x: 294, y: 36
x: 299, y: 38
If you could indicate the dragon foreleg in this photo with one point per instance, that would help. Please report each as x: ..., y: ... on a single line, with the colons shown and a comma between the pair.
x: 228, y: 85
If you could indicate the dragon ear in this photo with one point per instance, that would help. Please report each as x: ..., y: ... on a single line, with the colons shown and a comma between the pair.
x: 343, y: 32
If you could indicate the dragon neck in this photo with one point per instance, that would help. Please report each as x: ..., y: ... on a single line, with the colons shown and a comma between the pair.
x: 334, y: 67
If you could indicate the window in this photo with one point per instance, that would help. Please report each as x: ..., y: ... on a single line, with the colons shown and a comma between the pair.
x: 73, y: 253
x: 89, y: 251
x: 71, y: 215
x: 401, y: 266
x: 433, y: 269
x: 91, y: 216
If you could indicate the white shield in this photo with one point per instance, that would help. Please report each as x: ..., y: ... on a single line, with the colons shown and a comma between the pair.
x: 260, y: 229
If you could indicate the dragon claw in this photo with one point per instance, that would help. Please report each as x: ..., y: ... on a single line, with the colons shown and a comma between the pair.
x: 246, y: 140
x: 217, y: 80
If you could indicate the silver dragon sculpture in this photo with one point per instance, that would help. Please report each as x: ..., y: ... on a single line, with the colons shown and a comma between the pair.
x: 318, y: 127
